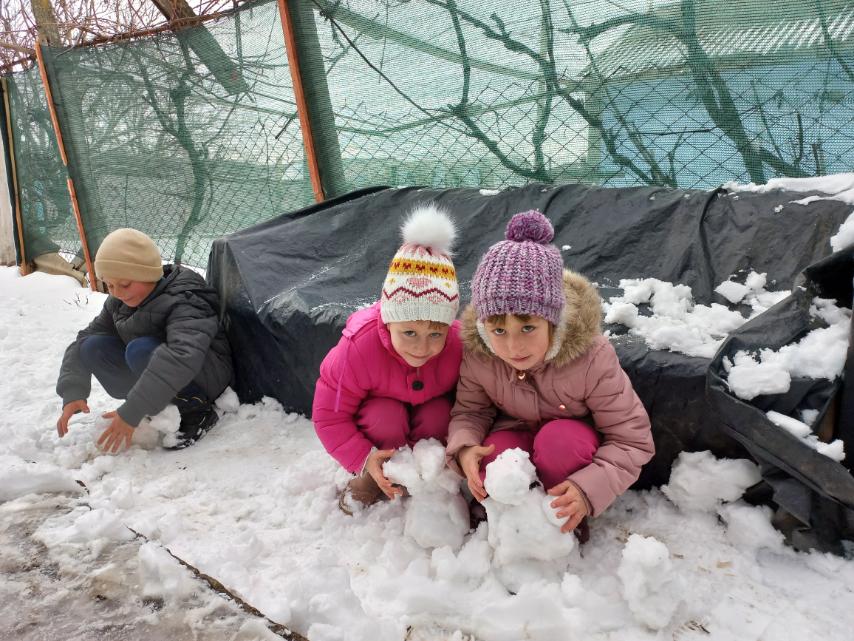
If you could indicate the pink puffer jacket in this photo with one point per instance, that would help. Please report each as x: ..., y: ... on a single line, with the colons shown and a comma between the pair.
x: 364, y: 364
x: 583, y: 380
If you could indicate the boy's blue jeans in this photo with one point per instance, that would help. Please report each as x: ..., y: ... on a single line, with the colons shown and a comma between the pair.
x: 118, y: 366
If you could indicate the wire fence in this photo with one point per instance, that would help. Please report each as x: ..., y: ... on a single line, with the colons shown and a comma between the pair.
x: 191, y: 135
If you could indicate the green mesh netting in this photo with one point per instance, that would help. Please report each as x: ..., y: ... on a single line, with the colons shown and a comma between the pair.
x: 185, y: 137
x: 193, y: 135
x: 498, y: 92
x: 48, y: 220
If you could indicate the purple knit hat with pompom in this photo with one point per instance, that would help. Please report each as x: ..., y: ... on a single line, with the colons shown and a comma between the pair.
x: 523, y: 274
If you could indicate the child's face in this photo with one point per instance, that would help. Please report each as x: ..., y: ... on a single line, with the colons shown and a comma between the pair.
x: 130, y: 292
x: 521, y: 342
x: 418, y: 341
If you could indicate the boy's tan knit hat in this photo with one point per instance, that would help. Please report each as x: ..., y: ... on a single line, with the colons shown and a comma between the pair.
x: 129, y: 254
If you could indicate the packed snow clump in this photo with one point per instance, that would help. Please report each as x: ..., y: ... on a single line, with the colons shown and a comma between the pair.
x: 436, y: 513
x: 699, y: 482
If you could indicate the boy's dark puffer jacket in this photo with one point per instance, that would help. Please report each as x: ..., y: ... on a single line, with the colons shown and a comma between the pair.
x: 183, y: 313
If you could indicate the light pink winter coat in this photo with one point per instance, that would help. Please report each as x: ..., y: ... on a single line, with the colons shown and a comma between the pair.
x: 363, y: 365
x: 583, y: 380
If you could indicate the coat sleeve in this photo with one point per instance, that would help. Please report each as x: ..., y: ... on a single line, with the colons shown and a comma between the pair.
x: 190, y: 327
x: 624, y: 426
x: 75, y: 381
x: 338, y: 393
x: 472, y: 415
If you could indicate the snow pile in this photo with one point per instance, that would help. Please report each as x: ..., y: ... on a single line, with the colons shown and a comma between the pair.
x: 699, y: 482
x: 834, y: 450
x: 161, y: 427
x: 749, y: 527
x: 819, y: 354
x: 436, y: 515
x: 254, y: 505
x: 162, y: 577
x: 837, y: 187
x: 752, y: 292
x: 19, y: 478
x: 523, y: 530
x: 677, y: 323
x: 650, y: 588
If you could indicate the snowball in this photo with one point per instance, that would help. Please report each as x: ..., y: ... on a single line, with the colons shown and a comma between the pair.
x: 228, y: 403
x: 622, y: 313
x: 750, y: 527
x: 165, y: 423
x: 652, y: 592
x: 748, y: 379
x: 699, y: 481
x: 732, y: 291
x: 509, y: 476
x: 756, y: 281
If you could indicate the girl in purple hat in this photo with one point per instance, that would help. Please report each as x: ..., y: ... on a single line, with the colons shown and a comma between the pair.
x: 538, y: 374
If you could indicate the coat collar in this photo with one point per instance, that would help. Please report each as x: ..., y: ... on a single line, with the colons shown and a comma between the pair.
x: 580, y: 323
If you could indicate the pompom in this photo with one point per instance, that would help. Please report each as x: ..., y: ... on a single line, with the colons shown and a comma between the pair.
x: 429, y: 226
x: 530, y: 225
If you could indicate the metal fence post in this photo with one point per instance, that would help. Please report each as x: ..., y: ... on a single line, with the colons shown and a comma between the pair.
x: 305, y: 59
x: 71, y: 190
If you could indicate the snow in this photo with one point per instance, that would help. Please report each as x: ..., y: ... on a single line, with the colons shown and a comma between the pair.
x: 679, y: 324
x: 834, y: 450
x: 837, y: 187
x: 819, y: 354
x: 254, y: 505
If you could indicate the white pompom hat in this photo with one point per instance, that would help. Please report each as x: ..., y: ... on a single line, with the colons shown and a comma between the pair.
x: 421, y: 283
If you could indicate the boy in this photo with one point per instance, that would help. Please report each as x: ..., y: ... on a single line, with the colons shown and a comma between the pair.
x: 156, y: 341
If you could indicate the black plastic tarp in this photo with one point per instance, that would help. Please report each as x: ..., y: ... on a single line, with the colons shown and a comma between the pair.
x: 816, y: 491
x: 288, y: 285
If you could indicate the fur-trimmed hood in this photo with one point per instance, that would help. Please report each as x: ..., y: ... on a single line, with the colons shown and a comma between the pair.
x: 580, y: 323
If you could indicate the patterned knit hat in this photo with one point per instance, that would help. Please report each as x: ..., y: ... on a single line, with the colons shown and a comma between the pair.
x: 128, y: 254
x: 523, y: 274
x: 421, y: 283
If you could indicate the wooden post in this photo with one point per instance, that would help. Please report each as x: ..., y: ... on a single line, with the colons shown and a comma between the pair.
x: 24, y: 267
x: 299, y: 94
x: 90, y: 267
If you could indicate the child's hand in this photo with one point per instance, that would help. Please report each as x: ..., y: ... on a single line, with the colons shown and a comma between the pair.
x: 118, y: 434
x: 67, y: 412
x: 374, y: 467
x: 469, y: 458
x: 570, y: 503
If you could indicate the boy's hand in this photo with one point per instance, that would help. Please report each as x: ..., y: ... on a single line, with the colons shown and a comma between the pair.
x: 118, y: 434
x: 570, y: 503
x: 374, y: 467
x: 67, y: 412
x: 469, y: 458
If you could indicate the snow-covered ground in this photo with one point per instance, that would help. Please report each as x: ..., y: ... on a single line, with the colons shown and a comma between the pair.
x: 254, y: 505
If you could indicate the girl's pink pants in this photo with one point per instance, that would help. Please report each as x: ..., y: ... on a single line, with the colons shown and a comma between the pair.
x: 389, y: 423
x: 560, y: 448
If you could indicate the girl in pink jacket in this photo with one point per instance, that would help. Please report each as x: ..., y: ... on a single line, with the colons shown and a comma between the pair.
x: 388, y: 381
x: 538, y: 374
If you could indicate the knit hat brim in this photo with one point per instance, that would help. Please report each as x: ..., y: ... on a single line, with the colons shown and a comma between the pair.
x: 415, y: 310
x: 128, y: 271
